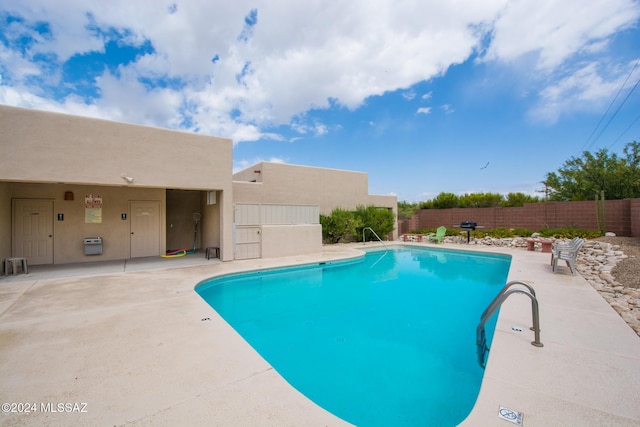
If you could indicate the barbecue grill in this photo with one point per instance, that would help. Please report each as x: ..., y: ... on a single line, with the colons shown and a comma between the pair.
x: 468, y: 226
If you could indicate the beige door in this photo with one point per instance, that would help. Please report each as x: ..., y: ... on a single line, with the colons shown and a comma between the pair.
x: 246, y: 231
x: 248, y: 242
x: 33, y: 230
x: 145, y: 228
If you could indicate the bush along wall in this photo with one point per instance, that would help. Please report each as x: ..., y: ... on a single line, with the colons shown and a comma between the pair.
x: 505, y: 233
x: 344, y: 226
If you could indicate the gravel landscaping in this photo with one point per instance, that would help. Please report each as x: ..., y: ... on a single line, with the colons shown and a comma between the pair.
x: 627, y: 271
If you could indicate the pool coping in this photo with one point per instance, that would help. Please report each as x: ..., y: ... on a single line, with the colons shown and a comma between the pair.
x: 86, y: 338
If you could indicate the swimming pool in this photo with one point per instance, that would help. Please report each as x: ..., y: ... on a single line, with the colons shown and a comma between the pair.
x: 387, y: 339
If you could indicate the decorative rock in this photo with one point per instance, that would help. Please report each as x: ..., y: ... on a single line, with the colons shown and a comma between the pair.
x: 619, y: 307
x: 631, y: 292
x: 628, y: 317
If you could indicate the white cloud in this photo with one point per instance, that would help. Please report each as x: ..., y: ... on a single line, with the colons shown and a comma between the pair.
x: 347, y: 52
x: 300, y: 54
x: 408, y: 95
x: 315, y: 128
x: 556, y: 30
x: 321, y: 129
x: 424, y: 110
x: 447, y: 108
x: 585, y: 89
x: 427, y: 96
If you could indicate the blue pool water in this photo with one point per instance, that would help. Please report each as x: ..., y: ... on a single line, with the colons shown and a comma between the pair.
x: 385, y: 340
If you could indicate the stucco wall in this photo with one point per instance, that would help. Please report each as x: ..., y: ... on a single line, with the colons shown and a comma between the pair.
x: 293, y: 184
x: 5, y: 218
x: 45, y: 148
x: 42, y: 146
x: 287, y: 240
x: 252, y: 174
x: 69, y: 233
x: 248, y: 192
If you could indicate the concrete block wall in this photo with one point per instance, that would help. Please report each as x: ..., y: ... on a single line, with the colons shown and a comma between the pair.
x: 621, y: 216
x: 634, y: 215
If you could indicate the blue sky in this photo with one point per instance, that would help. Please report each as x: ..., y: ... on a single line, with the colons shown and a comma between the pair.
x: 419, y: 94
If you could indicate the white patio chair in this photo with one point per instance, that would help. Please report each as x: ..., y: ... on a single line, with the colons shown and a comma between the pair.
x: 564, y: 246
x: 567, y: 254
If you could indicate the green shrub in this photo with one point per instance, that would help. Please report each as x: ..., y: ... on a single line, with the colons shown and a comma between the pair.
x: 478, y: 234
x: 381, y: 220
x: 452, y: 231
x: 406, y: 210
x: 519, y: 199
x: 480, y: 200
x: 339, y: 225
x: 473, y: 200
x: 445, y: 201
x: 522, y: 232
x: 422, y: 231
x: 500, y: 232
x: 569, y: 233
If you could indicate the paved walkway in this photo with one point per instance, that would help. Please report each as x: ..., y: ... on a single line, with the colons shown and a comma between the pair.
x: 137, y: 345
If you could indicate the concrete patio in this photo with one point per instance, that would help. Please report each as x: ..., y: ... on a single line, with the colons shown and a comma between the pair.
x: 135, y: 343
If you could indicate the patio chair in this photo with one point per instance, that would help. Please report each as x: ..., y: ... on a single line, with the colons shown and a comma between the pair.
x: 567, y: 254
x: 438, y: 235
x: 564, y: 246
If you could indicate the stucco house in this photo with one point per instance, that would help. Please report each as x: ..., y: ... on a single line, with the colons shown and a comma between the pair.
x: 144, y: 190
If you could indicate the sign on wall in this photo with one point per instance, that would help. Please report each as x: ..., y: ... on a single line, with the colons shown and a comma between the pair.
x: 92, y: 208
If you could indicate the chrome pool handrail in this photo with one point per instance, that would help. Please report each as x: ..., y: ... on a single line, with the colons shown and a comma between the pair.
x: 481, y: 341
x: 375, y: 234
x: 504, y: 289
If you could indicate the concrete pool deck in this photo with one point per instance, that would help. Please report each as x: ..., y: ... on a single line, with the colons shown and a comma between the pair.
x: 135, y: 343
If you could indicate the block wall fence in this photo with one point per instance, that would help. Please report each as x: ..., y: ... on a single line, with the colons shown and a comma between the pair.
x: 622, y: 217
